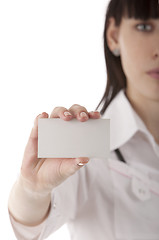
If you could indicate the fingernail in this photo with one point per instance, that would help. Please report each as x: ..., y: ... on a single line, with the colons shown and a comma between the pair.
x: 83, y: 114
x: 42, y: 114
x: 95, y: 112
x: 67, y: 114
x: 81, y: 164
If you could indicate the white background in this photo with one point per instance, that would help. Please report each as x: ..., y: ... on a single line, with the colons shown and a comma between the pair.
x: 51, y: 54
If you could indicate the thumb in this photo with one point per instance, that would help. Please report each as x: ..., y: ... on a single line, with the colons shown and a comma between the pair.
x: 70, y: 165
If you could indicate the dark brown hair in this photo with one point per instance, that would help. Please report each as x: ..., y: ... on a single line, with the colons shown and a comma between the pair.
x: 138, y: 9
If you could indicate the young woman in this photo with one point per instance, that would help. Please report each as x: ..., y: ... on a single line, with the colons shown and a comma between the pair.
x: 115, y: 198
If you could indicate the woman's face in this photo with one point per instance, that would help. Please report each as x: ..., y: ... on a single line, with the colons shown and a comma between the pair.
x: 139, y: 51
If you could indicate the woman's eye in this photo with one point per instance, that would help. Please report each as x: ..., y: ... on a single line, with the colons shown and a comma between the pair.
x: 144, y: 27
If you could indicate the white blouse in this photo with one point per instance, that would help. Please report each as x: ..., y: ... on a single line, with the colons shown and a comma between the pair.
x: 108, y: 199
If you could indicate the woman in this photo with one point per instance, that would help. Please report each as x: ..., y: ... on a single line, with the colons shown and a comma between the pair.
x: 115, y: 198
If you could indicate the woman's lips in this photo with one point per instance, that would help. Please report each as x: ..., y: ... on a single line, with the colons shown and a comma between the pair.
x: 154, y: 73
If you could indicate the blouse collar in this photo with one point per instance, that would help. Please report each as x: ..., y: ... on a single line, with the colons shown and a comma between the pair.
x: 125, y: 122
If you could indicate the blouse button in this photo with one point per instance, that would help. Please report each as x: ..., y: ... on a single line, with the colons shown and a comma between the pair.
x: 54, y: 205
x: 140, y: 189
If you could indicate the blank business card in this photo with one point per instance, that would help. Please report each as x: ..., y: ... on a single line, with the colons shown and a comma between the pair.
x: 71, y: 139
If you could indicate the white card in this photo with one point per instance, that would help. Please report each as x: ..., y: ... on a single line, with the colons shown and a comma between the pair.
x: 71, y: 139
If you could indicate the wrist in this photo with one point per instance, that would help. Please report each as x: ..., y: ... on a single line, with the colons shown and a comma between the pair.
x: 31, y: 189
x: 27, y: 206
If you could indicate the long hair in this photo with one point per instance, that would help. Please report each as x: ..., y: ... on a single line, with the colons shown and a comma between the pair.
x: 138, y: 9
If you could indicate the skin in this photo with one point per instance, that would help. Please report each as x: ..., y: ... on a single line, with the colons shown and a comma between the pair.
x: 39, y: 176
x: 139, y: 52
x: 43, y: 174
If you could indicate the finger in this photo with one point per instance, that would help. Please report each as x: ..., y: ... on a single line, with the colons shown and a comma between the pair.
x: 79, y: 112
x: 94, y: 114
x: 34, y: 132
x: 31, y: 150
x: 61, y: 112
x: 70, y: 166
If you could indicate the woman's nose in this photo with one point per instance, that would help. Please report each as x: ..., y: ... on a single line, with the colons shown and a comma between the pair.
x: 156, y: 53
x: 156, y: 48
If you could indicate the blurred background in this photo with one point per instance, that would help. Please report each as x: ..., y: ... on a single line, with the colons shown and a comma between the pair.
x: 51, y: 54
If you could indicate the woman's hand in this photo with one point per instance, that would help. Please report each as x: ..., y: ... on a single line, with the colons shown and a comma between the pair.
x: 41, y: 175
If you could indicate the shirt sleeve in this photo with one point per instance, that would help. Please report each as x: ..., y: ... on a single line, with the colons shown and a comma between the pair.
x: 25, y: 232
x: 66, y: 201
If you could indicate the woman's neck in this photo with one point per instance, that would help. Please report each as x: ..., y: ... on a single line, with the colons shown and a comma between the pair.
x: 148, y: 110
